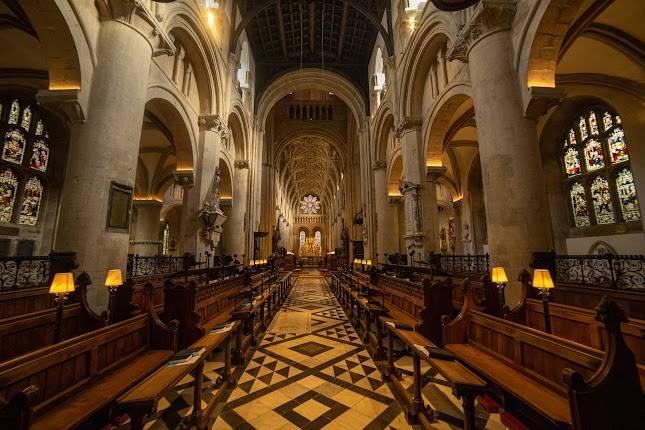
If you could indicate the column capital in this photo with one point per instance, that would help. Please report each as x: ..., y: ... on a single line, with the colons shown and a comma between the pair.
x: 136, y: 15
x: 407, y: 124
x: 215, y: 123
x: 65, y: 102
x: 490, y: 16
x: 146, y: 202
x: 407, y: 187
x: 434, y: 172
x: 241, y: 164
x: 186, y: 179
x: 458, y: 204
x: 379, y: 165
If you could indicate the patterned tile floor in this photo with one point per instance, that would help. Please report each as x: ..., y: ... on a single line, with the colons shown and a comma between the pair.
x: 311, y: 371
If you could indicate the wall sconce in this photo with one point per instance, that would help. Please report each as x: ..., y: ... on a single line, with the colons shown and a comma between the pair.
x: 62, y: 284
x: 113, y: 281
x: 499, y: 278
x: 543, y: 282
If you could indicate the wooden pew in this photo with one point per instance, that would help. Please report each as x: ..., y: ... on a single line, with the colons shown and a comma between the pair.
x: 25, y: 333
x: 142, y: 400
x: 526, y: 366
x: 64, y: 385
x: 576, y: 324
x: 465, y: 384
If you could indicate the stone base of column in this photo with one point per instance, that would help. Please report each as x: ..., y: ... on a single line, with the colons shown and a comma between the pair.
x: 414, y: 242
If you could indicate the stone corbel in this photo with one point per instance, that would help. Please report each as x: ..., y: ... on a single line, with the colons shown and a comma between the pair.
x: 433, y: 173
x: 541, y: 99
x: 395, y: 200
x: 490, y: 16
x: 216, y: 124
x: 241, y: 164
x: 408, y: 123
x: 379, y: 165
x: 64, y: 102
x: 185, y: 179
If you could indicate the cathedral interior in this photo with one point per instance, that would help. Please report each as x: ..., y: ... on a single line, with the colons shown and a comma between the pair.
x: 308, y: 214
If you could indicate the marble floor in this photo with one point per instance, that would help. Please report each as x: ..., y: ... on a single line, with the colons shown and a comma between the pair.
x: 311, y: 371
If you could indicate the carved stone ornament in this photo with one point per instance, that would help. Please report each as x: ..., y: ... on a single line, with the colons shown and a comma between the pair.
x: 185, y: 179
x: 379, y: 165
x: 241, y: 164
x: 490, y: 16
x: 216, y: 124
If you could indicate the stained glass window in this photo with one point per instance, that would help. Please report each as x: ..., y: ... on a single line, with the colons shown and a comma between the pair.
x: 627, y: 195
x: 582, y: 126
x: 617, y: 146
x: 14, y: 146
x: 26, y: 118
x: 607, y: 121
x: 40, y: 127
x: 39, y: 156
x: 14, y: 112
x: 318, y: 238
x: 572, y: 161
x: 303, y: 238
x: 601, y: 198
x: 8, y: 188
x: 25, y: 154
x: 594, y: 142
x: 593, y: 124
x: 31, y: 202
x: 579, y: 205
x: 594, y: 155
x: 310, y: 205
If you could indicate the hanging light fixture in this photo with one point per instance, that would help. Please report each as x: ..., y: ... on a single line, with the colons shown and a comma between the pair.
x: 453, y: 5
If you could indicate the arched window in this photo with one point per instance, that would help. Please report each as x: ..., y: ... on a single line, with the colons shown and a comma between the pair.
x: 245, y: 66
x: 303, y: 238
x: 318, y: 238
x: 595, y: 162
x: 23, y: 160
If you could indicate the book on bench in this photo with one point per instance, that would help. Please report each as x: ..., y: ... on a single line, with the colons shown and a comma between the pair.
x: 222, y: 328
x: 433, y: 351
x: 399, y: 325
x: 186, y: 356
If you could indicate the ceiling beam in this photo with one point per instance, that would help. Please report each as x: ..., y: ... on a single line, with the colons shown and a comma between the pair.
x: 341, y: 38
x: 283, y: 39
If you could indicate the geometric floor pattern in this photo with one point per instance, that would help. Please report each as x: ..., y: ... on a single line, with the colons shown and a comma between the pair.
x: 315, y: 377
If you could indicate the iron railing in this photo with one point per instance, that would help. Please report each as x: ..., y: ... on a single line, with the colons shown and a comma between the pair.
x: 33, y: 271
x: 614, y: 271
x: 156, y: 265
x: 465, y: 263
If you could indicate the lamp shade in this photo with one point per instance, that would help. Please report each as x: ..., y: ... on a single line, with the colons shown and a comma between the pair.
x: 542, y: 279
x: 62, y: 283
x: 499, y: 275
x: 114, y: 278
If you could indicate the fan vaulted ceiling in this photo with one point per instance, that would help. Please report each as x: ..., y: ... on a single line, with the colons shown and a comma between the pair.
x: 286, y: 33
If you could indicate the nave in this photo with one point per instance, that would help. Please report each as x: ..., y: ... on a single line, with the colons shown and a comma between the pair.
x: 311, y: 371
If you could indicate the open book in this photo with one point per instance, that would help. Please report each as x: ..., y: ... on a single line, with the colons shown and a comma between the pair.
x: 222, y: 328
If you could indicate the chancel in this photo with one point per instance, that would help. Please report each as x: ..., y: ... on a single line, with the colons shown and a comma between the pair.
x: 308, y: 214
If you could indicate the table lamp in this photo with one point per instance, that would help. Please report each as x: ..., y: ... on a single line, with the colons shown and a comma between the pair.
x: 62, y: 284
x: 113, y: 281
x: 543, y: 282
x: 499, y: 278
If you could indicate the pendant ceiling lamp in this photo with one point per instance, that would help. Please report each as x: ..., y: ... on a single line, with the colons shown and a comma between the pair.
x: 452, y: 5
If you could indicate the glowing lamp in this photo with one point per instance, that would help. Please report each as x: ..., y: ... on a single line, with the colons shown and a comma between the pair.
x: 114, y: 278
x: 62, y: 283
x: 542, y: 281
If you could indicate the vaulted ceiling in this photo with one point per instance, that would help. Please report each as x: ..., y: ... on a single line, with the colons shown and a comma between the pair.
x: 337, y: 35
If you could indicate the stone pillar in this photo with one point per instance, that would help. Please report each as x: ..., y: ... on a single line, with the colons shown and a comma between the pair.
x: 514, y: 194
x: 189, y: 209
x: 381, y: 206
x: 429, y: 211
x: 238, y: 224
x: 146, y: 230
x: 441, y: 64
x: 413, y: 228
x: 104, y: 150
x: 434, y: 79
x: 459, y: 246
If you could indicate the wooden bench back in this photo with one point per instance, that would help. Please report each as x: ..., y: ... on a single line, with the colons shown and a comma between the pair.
x: 62, y: 369
x: 23, y: 301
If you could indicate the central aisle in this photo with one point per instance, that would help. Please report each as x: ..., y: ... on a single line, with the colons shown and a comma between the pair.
x: 311, y: 371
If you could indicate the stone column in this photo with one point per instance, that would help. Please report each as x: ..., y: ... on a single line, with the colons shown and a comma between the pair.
x: 189, y: 208
x: 381, y: 206
x: 459, y: 246
x: 434, y: 78
x: 146, y: 233
x: 238, y: 224
x: 514, y: 194
x: 429, y: 211
x: 104, y: 150
x: 413, y: 228
x: 441, y: 65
